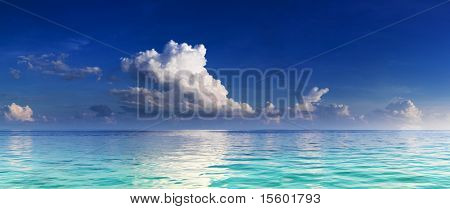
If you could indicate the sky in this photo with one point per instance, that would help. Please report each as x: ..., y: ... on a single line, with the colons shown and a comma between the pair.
x: 375, y: 64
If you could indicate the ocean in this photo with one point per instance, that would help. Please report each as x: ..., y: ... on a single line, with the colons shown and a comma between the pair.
x: 225, y: 159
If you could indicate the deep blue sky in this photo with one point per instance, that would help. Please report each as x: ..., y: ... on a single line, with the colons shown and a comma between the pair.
x: 409, y: 60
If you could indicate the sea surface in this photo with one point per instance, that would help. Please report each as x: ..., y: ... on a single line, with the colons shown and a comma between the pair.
x: 225, y: 159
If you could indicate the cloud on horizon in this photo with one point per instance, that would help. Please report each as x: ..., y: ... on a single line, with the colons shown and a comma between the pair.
x: 16, y: 112
x: 400, y: 113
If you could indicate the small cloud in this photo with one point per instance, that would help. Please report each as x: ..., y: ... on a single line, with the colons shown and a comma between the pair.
x: 399, y: 113
x: 311, y: 100
x: 271, y: 113
x: 15, y: 73
x: 404, y: 109
x: 312, y: 108
x: 315, y: 95
x: 16, y: 112
x: 50, y: 64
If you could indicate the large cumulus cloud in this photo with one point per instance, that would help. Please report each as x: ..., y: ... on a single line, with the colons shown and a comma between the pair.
x: 179, y: 79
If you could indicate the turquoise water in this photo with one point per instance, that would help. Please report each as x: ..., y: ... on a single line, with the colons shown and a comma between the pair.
x: 221, y: 159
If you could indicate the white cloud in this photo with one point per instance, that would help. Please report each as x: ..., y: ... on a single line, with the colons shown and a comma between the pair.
x: 271, y: 113
x: 18, y: 113
x: 50, y: 64
x: 312, y: 108
x: 405, y: 110
x: 180, y: 70
x: 315, y: 95
x: 311, y: 99
x: 399, y: 113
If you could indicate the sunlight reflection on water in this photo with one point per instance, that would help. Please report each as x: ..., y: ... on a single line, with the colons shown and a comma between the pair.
x: 201, y: 159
